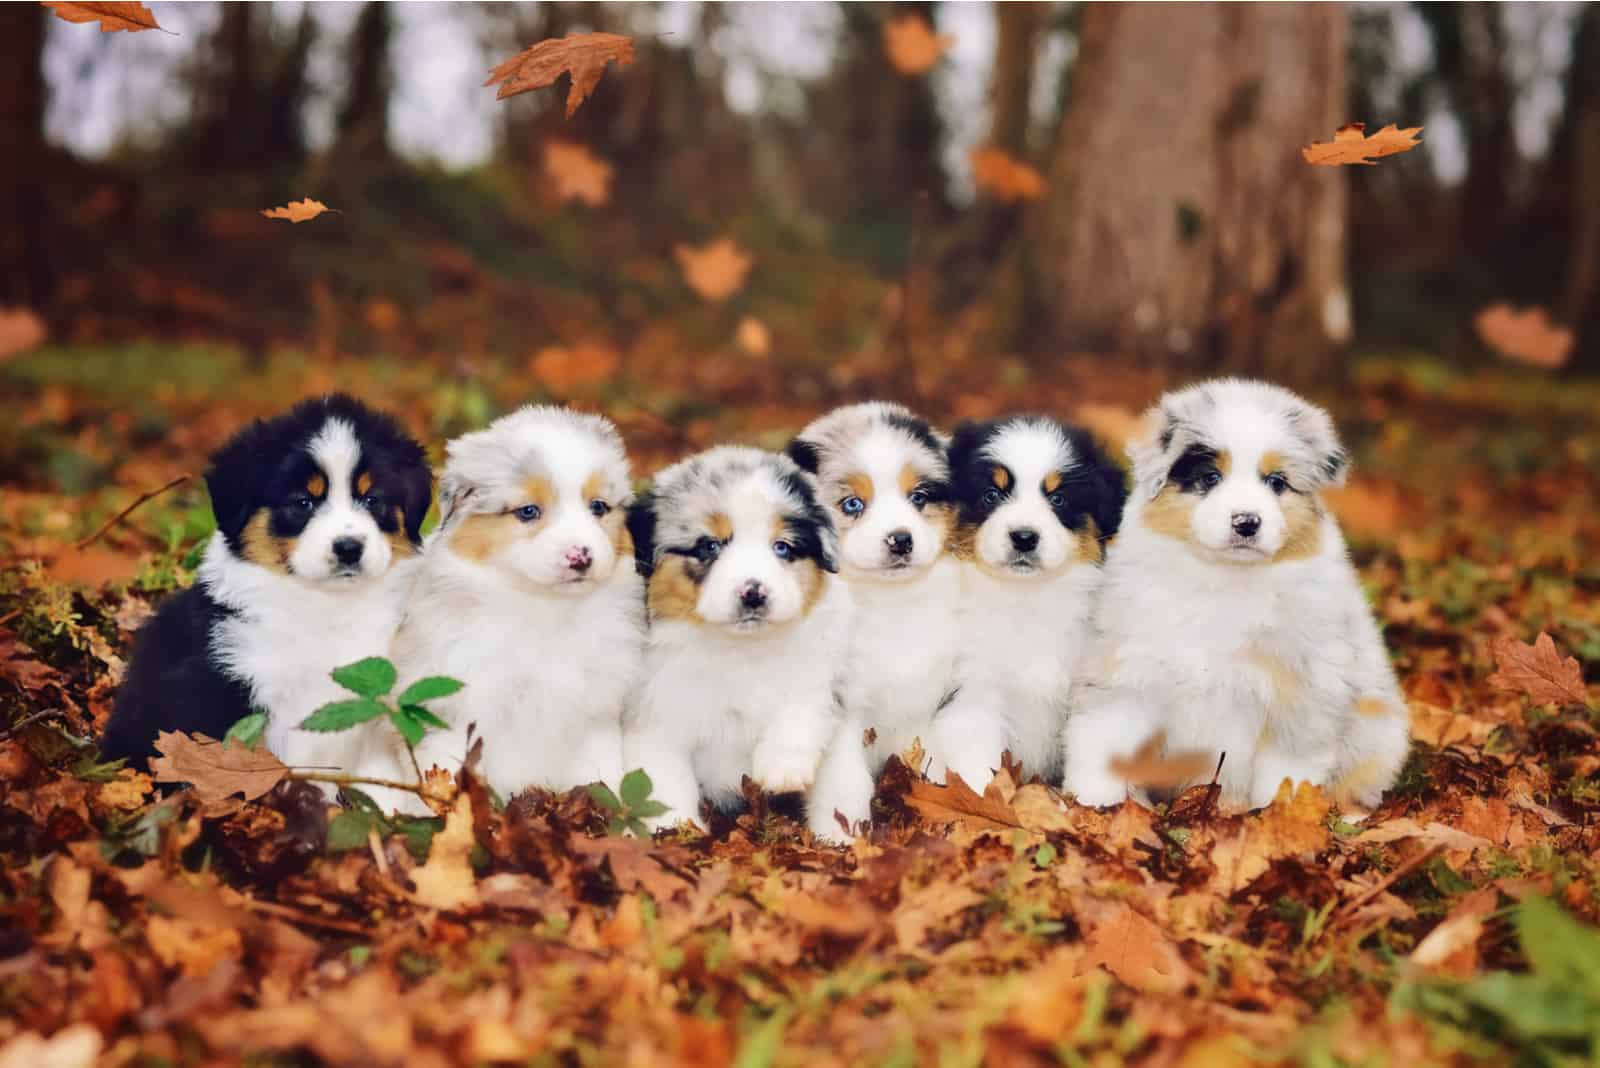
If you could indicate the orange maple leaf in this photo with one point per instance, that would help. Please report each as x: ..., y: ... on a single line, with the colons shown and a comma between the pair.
x: 715, y: 271
x: 20, y: 330
x: 216, y: 771
x: 113, y: 17
x: 1526, y: 337
x: 1538, y: 670
x: 578, y: 173
x: 1005, y: 178
x: 1351, y: 144
x: 298, y: 211
x: 582, y: 55
x: 911, y: 44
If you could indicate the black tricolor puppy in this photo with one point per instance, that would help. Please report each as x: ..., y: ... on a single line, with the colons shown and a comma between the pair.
x: 316, y: 510
x: 1037, y: 501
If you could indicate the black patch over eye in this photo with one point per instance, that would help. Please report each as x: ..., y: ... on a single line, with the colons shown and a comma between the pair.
x: 528, y: 512
x: 706, y: 549
x: 303, y: 501
x: 1196, y: 470
x: 1277, y: 483
x: 1057, y: 500
x: 599, y: 509
x: 992, y: 497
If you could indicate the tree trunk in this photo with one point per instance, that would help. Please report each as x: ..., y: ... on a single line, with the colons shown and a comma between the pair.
x: 1578, y: 148
x: 25, y: 275
x: 364, y: 118
x: 1181, y: 222
x: 1011, y: 85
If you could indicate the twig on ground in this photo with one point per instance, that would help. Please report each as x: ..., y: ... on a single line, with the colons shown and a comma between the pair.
x: 120, y: 516
x: 1354, y: 905
x: 28, y: 721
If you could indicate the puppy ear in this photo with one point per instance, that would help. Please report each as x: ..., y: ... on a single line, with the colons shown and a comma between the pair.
x: 966, y: 441
x: 805, y: 454
x: 828, y: 547
x: 234, y: 477
x: 454, y: 493
x: 1330, y: 461
x: 417, y: 486
x: 641, y: 522
x: 1110, y: 492
x: 1154, y: 446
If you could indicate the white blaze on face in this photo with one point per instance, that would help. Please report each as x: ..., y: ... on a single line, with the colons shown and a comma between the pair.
x: 1031, y: 454
x: 752, y: 508
x: 340, y: 519
x: 1247, y: 436
x: 887, y: 464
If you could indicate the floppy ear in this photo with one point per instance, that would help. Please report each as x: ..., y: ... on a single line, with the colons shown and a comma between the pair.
x: 1330, y: 460
x: 641, y: 522
x: 417, y: 486
x: 805, y: 454
x: 1110, y: 493
x: 234, y: 478
x: 828, y: 547
x: 1154, y: 447
x: 454, y: 493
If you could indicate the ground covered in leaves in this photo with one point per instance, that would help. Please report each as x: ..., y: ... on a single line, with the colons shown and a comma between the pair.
x: 1453, y: 925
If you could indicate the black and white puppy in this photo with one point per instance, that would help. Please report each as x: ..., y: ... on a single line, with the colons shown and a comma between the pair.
x: 748, y: 622
x: 317, y: 511
x: 881, y: 473
x: 1036, y: 503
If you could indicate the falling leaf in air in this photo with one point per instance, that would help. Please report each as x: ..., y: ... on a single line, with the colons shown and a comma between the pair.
x: 113, y: 18
x: 1538, y: 670
x: 956, y: 801
x: 911, y: 44
x: 20, y: 330
x: 582, y: 55
x: 446, y: 880
x: 560, y: 369
x: 1151, y: 765
x: 214, y: 770
x: 753, y: 337
x: 715, y: 271
x: 1004, y: 178
x: 298, y: 211
x: 1351, y: 144
x: 1130, y: 947
x: 578, y: 173
x: 1526, y: 337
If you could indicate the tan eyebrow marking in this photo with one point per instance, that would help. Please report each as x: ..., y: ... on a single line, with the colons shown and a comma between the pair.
x: 1270, y: 462
x: 595, y: 487
x: 860, y: 486
x: 720, y: 526
x: 909, y: 479
x: 1001, y: 477
x: 317, y: 485
x: 1052, y: 481
x: 364, y: 483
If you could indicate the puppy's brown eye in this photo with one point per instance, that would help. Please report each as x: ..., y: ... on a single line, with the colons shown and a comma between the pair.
x: 1211, y: 479
x: 991, y: 497
x: 1057, y: 500
x: 599, y: 508
x: 1277, y: 483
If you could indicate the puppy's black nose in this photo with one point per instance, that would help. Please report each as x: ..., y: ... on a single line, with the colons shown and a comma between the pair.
x: 1245, y: 524
x: 899, y: 542
x: 1024, y: 539
x: 753, y: 595
x: 348, y: 550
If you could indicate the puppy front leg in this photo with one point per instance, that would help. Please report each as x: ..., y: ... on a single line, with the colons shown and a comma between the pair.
x: 598, y: 757
x: 967, y: 738
x: 844, y: 785
x: 786, y: 756
x: 668, y: 762
x: 1099, y: 731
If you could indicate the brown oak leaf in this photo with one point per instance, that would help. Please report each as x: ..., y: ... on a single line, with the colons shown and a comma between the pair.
x: 298, y: 211
x: 112, y: 17
x: 715, y: 271
x: 582, y: 55
x: 911, y: 44
x: 214, y: 770
x: 1526, y: 336
x: 1130, y: 947
x: 957, y: 802
x: 1538, y: 670
x: 578, y: 173
x: 1152, y: 765
x: 1352, y: 144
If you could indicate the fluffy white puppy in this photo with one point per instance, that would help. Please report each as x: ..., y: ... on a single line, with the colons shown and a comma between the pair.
x: 882, y: 474
x: 1037, y: 502
x: 1231, y: 620
x: 528, y: 594
x: 747, y: 624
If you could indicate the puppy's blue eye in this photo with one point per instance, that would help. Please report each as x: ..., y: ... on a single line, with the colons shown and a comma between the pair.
x: 528, y: 513
x: 991, y: 497
x: 918, y: 498
x: 783, y: 550
x: 1057, y: 500
x: 599, y: 508
x: 1277, y: 483
x: 852, y: 506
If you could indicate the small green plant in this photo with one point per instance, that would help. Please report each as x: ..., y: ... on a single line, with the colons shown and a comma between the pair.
x: 633, y: 806
x: 371, y: 680
x: 353, y: 828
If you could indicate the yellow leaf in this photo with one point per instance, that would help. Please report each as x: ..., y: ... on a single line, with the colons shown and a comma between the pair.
x: 298, y: 211
x: 446, y: 880
x: 1351, y: 144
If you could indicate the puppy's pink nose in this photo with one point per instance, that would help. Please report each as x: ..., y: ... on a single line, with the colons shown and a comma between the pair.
x: 579, y: 558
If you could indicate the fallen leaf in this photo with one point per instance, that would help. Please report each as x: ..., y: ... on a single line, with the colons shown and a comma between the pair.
x: 1151, y: 765
x: 93, y: 565
x: 716, y: 271
x: 193, y: 947
x: 20, y: 330
x: 560, y: 369
x: 633, y: 865
x: 927, y: 906
x: 214, y: 770
x: 1295, y: 824
x: 582, y: 55
x: 956, y: 802
x: 77, y: 1046
x: 1351, y: 144
x: 1430, y: 834
x: 69, y: 892
x: 1538, y: 671
x: 19, y: 665
x: 1004, y: 178
x: 753, y: 338
x: 298, y: 211
x: 911, y: 44
x: 1527, y: 336
x: 446, y: 880
x: 112, y: 17
x: 1130, y: 947
x: 126, y: 792
x: 1452, y: 947
x: 578, y: 173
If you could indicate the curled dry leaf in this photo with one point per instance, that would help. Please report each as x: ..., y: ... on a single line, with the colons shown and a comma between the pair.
x: 1527, y: 336
x: 1452, y: 947
x: 446, y: 880
x: 1351, y: 144
x: 578, y: 173
x: 582, y: 55
x: 20, y: 331
x: 1005, y: 178
x: 957, y: 802
x: 298, y: 211
x: 715, y: 271
x: 911, y: 44
x: 112, y: 17
x: 214, y: 770
x: 1538, y: 670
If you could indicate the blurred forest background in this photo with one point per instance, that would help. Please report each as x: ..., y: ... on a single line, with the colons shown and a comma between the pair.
x: 1168, y: 218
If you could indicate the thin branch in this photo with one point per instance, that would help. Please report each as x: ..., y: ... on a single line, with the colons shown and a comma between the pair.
x: 1387, y: 881
x: 355, y: 780
x: 27, y: 721
x: 120, y: 516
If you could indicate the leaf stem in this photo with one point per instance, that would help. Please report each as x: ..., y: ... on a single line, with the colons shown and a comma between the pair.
x: 355, y: 780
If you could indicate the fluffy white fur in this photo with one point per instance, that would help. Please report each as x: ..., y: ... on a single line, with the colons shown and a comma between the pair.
x: 900, y: 662
x: 541, y: 616
x: 1261, y: 647
x: 727, y: 693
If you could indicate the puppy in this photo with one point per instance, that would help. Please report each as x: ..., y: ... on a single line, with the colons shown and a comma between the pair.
x: 528, y: 594
x: 747, y: 625
x: 1037, y: 502
x: 882, y: 474
x: 317, y: 512
x: 1231, y: 623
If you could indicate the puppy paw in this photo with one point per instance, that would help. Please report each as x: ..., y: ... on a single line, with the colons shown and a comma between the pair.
x: 1099, y: 791
x: 783, y: 769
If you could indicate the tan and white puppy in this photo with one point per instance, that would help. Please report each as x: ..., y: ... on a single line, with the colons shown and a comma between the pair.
x: 528, y: 594
x: 747, y: 625
x: 1037, y: 501
x: 1231, y: 620
x: 883, y: 476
